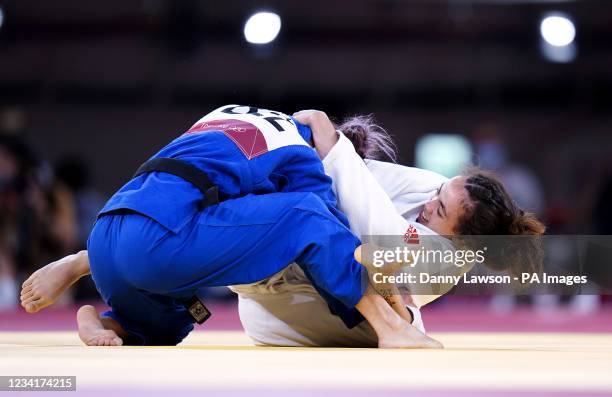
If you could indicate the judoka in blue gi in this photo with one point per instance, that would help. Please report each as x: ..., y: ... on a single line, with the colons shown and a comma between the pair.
x: 234, y: 200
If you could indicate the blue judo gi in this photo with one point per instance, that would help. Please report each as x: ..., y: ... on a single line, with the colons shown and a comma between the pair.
x: 151, y: 248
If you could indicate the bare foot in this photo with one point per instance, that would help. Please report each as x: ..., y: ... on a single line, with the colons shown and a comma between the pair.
x: 92, y: 331
x: 408, y: 337
x: 47, y: 284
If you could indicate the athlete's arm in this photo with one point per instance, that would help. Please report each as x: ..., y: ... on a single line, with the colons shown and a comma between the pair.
x: 368, y: 207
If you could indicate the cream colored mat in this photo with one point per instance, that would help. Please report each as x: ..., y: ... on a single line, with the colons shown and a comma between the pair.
x: 492, y: 361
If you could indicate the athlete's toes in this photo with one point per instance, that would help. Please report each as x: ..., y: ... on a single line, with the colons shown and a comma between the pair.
x: 32, y: 307
x: 29, y: 299
x: 27, y: 290
x: 28, y: 282
x: 26, y: 297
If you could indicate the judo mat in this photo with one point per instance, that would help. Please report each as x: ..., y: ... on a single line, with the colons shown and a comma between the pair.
x: 226, y: 363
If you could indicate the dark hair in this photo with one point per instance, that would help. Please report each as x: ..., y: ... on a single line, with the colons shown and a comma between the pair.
x: 490, y: 210
x: 370, y: 140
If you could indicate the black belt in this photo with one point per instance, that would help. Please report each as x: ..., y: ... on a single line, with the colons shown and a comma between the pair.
x: 188, y: 172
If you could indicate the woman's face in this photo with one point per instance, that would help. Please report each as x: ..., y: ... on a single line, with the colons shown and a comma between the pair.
x: 442, y: 212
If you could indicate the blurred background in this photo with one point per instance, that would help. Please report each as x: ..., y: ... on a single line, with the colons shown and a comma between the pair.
x: 89, y: 90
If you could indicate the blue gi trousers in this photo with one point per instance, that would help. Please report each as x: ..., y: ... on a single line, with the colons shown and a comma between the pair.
x: 145, y: 271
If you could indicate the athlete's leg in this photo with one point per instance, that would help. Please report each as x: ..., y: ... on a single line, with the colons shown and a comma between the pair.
x: 47, y: 284
x: 137, y: 316
x: 391, y: 332
x: 96, y: 330
x: 246, y: 240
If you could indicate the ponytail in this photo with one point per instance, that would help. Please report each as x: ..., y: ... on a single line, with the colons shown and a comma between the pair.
x: 370, y: 140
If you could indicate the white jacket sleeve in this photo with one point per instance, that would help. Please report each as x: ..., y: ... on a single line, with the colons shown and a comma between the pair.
x: 369, y: 209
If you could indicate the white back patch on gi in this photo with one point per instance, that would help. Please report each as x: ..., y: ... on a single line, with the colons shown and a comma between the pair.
x: 254, y: 130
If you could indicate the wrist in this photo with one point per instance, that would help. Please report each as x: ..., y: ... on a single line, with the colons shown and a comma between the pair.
x: 325, y: 145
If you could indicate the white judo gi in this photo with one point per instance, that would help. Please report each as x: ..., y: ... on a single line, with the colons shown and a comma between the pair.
x: 378, y: 198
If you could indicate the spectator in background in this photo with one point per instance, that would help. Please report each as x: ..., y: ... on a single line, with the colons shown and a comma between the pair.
x: 521, y: 183
x: 37, y: 217
x: 8, y: 197
x: 525, y: 188
x: 73, y: 174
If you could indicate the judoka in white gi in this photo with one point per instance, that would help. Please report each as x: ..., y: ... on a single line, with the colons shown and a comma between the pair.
x: 379, y: 199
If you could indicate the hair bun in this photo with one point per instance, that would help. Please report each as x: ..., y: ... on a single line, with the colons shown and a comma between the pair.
x: 370, y: 140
